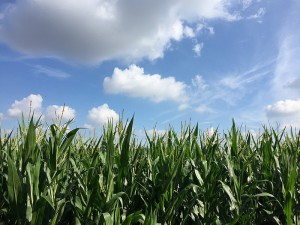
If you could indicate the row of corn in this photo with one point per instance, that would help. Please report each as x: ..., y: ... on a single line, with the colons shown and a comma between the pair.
x: 52, y: 175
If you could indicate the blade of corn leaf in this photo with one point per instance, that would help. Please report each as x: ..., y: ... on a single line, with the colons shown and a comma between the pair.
x: 30, y: 142
x: 108, y: 218
x: 14, y: 188
x: 68, y: 139
x: 233, y: 201
x: 134, y: 218
x: 124, y: 157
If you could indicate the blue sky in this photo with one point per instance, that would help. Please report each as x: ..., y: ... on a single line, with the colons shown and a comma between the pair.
x: 163, y: 61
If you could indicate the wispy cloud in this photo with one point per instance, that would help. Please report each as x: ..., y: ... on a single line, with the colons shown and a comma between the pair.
x: 233, y: 89
x: 177, y: 116
x: 234, y: 86
x: 50, y: 72
x: 246, y: 4
x: 286, y: 83
x: 203, y: 28
x: 199, y: 84
x: 205, y: 96
x: 258, y: 15
x: 203, y: 109
x: 288, y: 68
x: 240, y: 81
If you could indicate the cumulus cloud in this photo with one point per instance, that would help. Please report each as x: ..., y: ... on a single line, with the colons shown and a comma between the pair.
x: 91, y: 31
x: 64, y: 112
x: 286, y: 112
x: 198, y: 48
x: 101, y: 115
x: 135, y: 83
x: 30, y: 104
x: 1, y: 117
x: 284, y: 108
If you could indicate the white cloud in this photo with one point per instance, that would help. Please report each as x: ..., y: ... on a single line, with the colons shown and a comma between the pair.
x: 286, y: 112
x: 55, y: 111
x: 202, y: 9
x: 101, y: 115
x: 240, y: 81
x: 246, y: 4
x: 286, y: 80
x: 177, y: 30
x: 295, y: 84
x: 183, y: 106
x: 210, y: 132
x: 88, y: 126
x: 198, y: 48
x: 284, y: 108
x: 199, y: 83
x: 50, y: 72
x: 254, y: 133
x: 285, y: 84
x: 155, y: 132
x: 202, y: 28
x: 30, y: 104
x: 230, y: 88
x: 203, y: 109
x: 135, y: 83
x: 1, y: 117
x: 188, y: 32
x: 258, y: 15
x: 91, y: 31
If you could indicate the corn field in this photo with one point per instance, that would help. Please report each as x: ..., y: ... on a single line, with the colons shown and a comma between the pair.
x: 52, y: 175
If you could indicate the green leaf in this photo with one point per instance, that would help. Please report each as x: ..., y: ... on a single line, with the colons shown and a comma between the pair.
x: 58, y: 212
x: 233, y: 201
x: 109, y: 206
x: 14, y: 188
x: 124, y: 157
x: 134, y: 218
x: 68, y: 139
x: 30, y: 142
x: 41, y: 212
x: 264, y: 194
x: 108, y: 218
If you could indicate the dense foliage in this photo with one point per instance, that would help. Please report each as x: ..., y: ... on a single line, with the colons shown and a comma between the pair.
x: 55, y: 176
